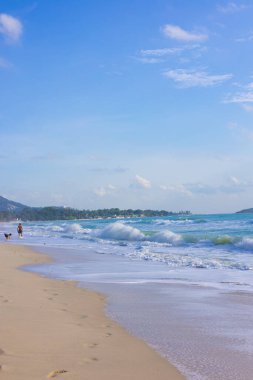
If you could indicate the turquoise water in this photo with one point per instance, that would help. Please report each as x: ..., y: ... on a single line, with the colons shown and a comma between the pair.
x: 222, y: 241
x: 183, y: 284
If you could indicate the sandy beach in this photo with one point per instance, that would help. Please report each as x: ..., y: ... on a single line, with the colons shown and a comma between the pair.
x: 52, y: 328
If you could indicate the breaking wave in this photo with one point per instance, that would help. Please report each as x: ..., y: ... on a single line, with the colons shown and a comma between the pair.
x: 75, y: 228
x: 120, y: 231
x: 179, y: 242
x: 167, y: 237
x: 57, y: 229
x: 223, y: 239
x: 246, y: 243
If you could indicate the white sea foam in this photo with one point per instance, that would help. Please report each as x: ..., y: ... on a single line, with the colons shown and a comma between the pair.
x: 246, y: 243
x: 56, y: 228
x: 119, y: 231
x: 167, y: 237
x: 186, y: 221
x: 181, y: 243
x: 74, y: 228
x: 176, y: 222
x: 180, y: 260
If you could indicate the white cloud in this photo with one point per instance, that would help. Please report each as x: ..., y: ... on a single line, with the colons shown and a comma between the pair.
x: 104, y: 190
x: 181, y: 189
x: 160, y: 52
x: 236, y: 185
x: 177, y: 33
x: 101, y: 192
x: 232, y: 185
x: 111, y: 187
x: 149, y: 60
x: 159, y: 55
x: 142, y: 182
x: 244, y: 98
x: 231, y: 7
x: 191, y: 78
x: 169, y: 51
x: 10, y: 27
x: 245, y: 39
x: 247, y: 107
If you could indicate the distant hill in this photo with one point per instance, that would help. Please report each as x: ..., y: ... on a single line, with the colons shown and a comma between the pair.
x: 10, y: 206
x: 10, y: 210
x: 246, y: 211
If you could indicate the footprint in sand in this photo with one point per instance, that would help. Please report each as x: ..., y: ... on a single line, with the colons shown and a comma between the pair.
x: 93, y: 345
x: 90, y: 345
x: 90, y: 360
x: 4, y: 300
x: 106, y: 326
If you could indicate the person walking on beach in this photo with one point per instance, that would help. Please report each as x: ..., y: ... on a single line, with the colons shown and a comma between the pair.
x: 20, y: 230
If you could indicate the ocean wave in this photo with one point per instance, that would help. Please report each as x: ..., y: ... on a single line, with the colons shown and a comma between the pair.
x: 180, y: 221
x: 189, y: 261
x: 128, y: 221
x: 75, y: 228
x: 198, y: 221
x: 171, y: 222
x: 246, y: 243
x: 56, y: 228
x: 120, y: 231
x: 223, y: 239
x: 166, y: 237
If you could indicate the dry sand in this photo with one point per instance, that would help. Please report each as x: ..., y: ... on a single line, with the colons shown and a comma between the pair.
x: 48, y: 326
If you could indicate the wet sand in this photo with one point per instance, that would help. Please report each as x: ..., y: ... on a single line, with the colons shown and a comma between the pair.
x: 51, y: 328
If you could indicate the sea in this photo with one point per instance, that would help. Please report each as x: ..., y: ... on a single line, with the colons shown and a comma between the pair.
x: 183, y: 284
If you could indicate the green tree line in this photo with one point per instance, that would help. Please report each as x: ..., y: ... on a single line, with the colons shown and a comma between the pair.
x: 62, y: 213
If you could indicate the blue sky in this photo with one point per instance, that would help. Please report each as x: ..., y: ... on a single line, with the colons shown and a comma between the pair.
x: 130, y: 104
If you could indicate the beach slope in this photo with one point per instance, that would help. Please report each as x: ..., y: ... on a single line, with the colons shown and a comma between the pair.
x: 51, y: 328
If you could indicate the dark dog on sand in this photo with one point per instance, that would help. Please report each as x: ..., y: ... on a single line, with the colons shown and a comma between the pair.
x: 7, y: 236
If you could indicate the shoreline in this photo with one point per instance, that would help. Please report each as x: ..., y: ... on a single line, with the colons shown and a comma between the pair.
x: 50, y: 326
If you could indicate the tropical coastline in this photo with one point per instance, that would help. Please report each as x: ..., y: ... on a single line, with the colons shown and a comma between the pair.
x: 53, y: 328
x: 167, y: 280
x: 126, y: 159
x: 12, y: 211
